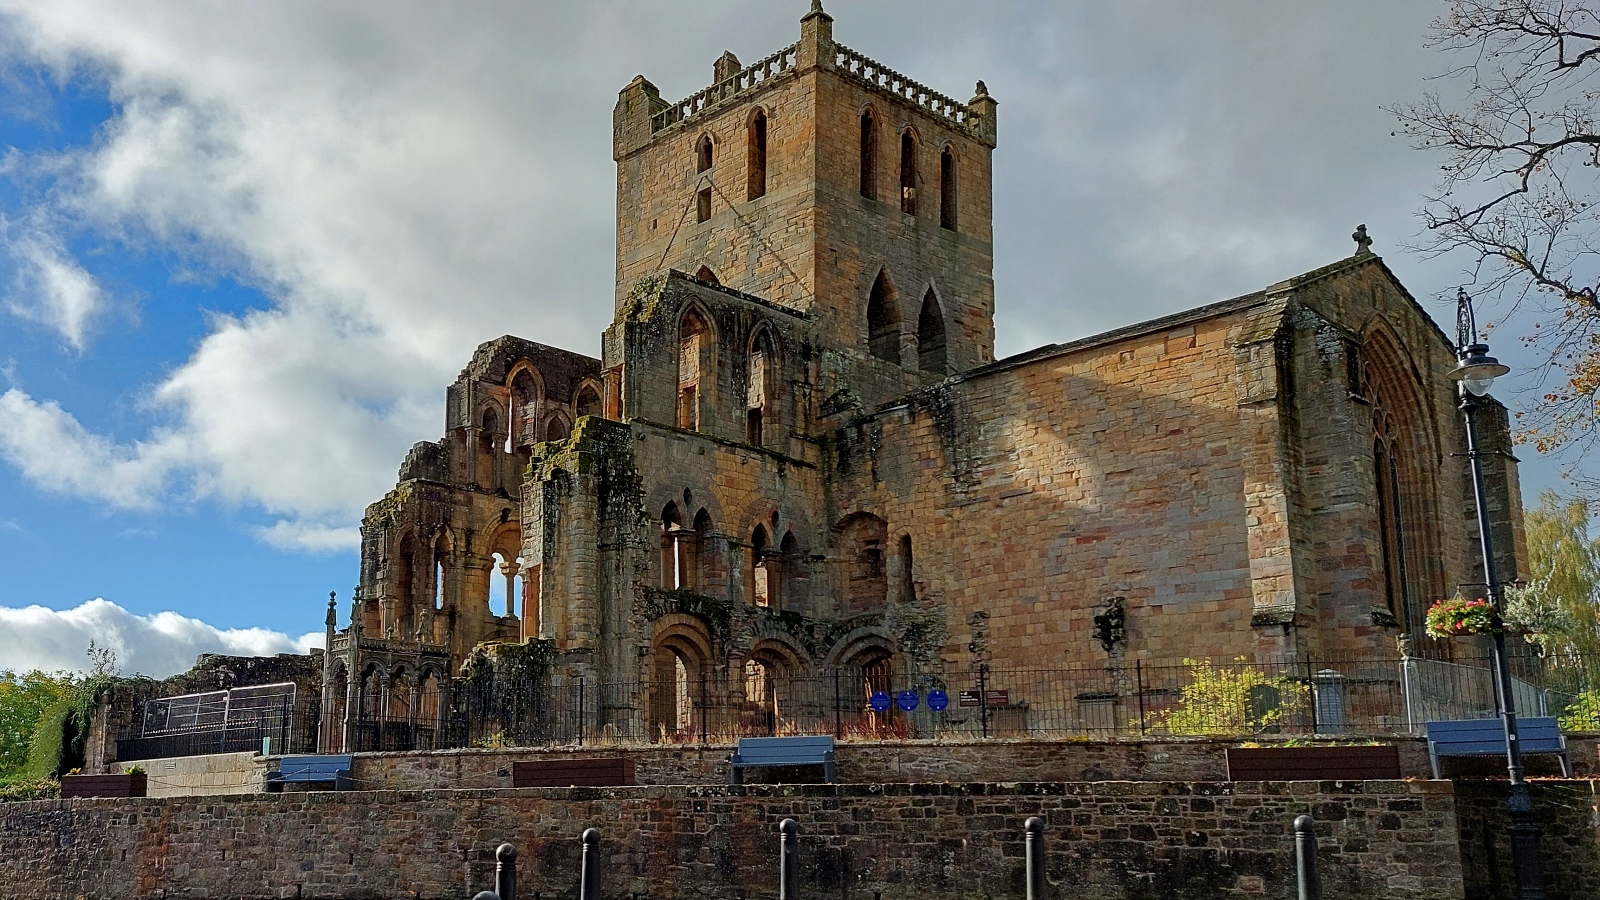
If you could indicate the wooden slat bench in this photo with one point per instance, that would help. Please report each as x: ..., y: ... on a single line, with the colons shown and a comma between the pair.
x: 1537, y: 735
x: 592, y: 772
x: 1375, y: 762
x: 333, y: 770
x: 781, y: 751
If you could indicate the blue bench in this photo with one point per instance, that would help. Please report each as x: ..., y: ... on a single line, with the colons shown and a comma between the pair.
x: 313, y: 770
x: 781, y: 751
x: 1487, y: 737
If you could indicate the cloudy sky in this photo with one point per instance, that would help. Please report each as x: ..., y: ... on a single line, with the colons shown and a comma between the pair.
x: 244, y: 247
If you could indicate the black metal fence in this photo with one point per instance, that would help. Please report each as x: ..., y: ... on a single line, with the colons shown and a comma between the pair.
x: 1296, y: 696
x: 278, y: 727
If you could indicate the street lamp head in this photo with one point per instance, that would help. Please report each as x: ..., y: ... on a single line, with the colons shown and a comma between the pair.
x: 1478, y: 370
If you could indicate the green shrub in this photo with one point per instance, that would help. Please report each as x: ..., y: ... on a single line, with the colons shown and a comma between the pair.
x: 1217, y: 701
x: 21, y: 789
x: 1583, y: 714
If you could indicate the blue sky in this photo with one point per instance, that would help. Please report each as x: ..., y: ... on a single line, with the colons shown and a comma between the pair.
x: 243, y: 250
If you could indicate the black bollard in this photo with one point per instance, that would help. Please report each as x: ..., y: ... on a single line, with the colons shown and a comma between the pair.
x: 589, y: 887
x: 505, y: 872
x: 1033, y: 845
x: 789, y: 860
x: 1305, y: 858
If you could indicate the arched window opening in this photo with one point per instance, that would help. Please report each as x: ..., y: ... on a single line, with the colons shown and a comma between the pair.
x: 947, y: 189
x: 703, y: 153
x: 441, y: 553
x: 693, y: 340
x: 762, y: 565
x: 863, y: 539
x: 557, y: 429
x: 524, y: 412
x: 508, y: 566
x: 588, y: 403
x: 908, y: 173
x: 760, y: 378
x: 1391, y: 536
x: 869, y: 155
x: 491, y: 438
x: 883, y: 322
x: 698, y: 562
x: 757, y: 181
x: 676, y: 550
x: 908, y: 583
x: 788, y: 565
x: 678, y: 672
x: 405, y: 587
x: 709, y: 277
x: 756, y: 683
x: 1406, y: 550
x: 931, y: 337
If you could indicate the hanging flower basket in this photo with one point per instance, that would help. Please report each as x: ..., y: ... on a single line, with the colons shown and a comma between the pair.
x: 1457, y: 617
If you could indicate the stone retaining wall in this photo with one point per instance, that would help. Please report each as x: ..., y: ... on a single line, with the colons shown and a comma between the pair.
x: 901, y: 761
x: 191, y: 776
x: 1105, y: 841
x: 1569, y: 812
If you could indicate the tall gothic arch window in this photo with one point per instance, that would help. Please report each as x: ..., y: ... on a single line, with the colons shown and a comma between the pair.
x: 694, y: 337
x: 908, y: 172
x: 757, y: 177
x: 947, y: 189
x: 869, y: 155
x: 931, y: 336
x: 703, y: 153
x: 883, y: 321
x: 760, y: 377
x: 1404, y: 464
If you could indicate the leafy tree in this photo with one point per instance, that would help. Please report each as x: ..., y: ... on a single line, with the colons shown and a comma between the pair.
x: 1520, y: 183
x: 24, y: 699
x: 1557, y: 609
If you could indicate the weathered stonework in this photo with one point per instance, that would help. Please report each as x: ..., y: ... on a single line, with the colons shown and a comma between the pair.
x: 1103, y: 841
x: 803, y: 456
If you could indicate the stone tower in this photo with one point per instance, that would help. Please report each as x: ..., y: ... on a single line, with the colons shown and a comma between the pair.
x: 821, y: 180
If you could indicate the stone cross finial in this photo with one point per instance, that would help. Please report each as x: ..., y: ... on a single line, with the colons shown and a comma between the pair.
x: 1363, y: 243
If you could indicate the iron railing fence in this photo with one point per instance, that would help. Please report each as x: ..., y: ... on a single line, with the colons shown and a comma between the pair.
x: 280, y: 727
x: 1301, y: 695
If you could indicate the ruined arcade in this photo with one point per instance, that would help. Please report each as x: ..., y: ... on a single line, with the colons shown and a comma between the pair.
x: 797, y: 453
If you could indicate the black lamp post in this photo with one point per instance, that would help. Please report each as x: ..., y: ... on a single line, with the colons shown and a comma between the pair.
x: 1476, y: 373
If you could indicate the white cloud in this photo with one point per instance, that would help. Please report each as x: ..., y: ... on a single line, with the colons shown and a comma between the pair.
x: 158, y: 645
x: 408, y: 180
x: 51, y: 288
x: 311, y: 537
x: 52, y: 449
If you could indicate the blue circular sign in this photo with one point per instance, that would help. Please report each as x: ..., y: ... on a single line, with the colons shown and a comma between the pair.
x: 938, y: 700
x: 879, y: 701
x: 907, y: 700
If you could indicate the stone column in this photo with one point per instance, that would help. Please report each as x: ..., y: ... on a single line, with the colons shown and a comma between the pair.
x: 352, y: 689
x: 325, y: 723
x: 509, y: 569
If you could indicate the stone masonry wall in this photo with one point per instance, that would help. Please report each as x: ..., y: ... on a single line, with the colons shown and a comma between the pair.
x: 912, y: 762
x: 1569, y: 811
x: 1105, y: 841
x: 194, y: 776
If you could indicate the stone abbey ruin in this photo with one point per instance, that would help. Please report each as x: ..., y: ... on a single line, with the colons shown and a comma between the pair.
x: 796, y: 452
x: 1110, y: 604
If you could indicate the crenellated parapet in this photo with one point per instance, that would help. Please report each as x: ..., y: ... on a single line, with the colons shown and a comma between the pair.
x: 728, y: 91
